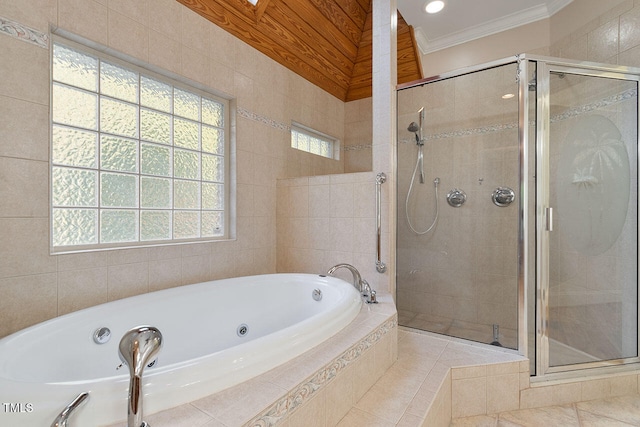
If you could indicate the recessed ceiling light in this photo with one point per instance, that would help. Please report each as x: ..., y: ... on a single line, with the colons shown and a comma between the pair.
x: 508, y: 96
x: 434, y: 6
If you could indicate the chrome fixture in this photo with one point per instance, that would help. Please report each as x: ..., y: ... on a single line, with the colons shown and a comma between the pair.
x: 368, y: 293
x: 503, y: 196
x: 361, y: 285
x: 381, y: 178
x: 137, y: 348
x: 316, y: 294
x: 101, y: 335
x: 417, y: 129
x: 496, y: 335
x: 418, y: 132
x: 413, y: 127
x: 456, y: 197
x: 63, y: 417
x: 242, y: 330
x: 357, y: 279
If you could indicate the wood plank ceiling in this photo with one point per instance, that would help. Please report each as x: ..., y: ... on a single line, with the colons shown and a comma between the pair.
x: 328, y: 42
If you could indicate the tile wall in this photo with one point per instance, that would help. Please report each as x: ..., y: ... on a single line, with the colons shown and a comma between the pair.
x: 358, y: 136
x: 164, y: 35
x: 613, y: 37
x: 326, y: 220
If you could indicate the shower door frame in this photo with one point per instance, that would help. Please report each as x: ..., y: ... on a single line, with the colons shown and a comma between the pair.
x: 525, y: 63
x: 520, y: 61
x: 544, y: 67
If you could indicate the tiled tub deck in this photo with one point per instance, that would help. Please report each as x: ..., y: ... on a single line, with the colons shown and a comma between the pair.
x: 374, y: 374
x: 331, y: 378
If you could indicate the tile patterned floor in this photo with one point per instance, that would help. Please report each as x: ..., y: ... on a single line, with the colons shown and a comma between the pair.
x: 616, y: 412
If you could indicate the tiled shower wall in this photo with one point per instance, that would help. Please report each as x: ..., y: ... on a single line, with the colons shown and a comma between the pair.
x: 166, y: 35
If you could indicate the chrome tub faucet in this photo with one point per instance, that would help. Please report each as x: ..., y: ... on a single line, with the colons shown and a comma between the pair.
x: 63, y: 417
x: 137, y: 348
x: 361, y: 285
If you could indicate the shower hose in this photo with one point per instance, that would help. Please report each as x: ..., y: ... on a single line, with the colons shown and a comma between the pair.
x: 406, y: 203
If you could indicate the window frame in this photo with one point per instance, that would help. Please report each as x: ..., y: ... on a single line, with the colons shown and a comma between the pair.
x: 306, y: 130
x: 142, y: 69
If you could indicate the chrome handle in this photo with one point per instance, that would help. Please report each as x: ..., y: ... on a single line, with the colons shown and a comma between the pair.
x: 549, y: 215
x: 63, y: 417
x: 380, y: 179
x: 368, y: 293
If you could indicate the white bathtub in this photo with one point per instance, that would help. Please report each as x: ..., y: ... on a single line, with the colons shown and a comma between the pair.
x: 44, y: 367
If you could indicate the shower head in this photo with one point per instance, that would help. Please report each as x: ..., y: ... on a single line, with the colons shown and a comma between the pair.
x: 413, y: 127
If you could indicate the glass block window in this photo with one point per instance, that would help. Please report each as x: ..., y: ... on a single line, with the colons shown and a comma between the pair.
x: 312, y: 141
x: 136, y: 158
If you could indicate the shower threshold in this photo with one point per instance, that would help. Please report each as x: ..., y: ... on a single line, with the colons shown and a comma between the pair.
x: 471, y: 331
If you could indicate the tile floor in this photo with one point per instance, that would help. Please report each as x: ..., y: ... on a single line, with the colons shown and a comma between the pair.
x: 615, y: 412
x: 400, y: 397
x: 405, y: 392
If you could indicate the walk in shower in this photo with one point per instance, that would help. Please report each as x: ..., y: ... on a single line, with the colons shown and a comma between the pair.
x: 517, y: 210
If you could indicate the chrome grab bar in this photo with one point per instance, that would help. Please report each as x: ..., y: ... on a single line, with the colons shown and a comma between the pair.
x: 380, y: 179
x: 63, y: 417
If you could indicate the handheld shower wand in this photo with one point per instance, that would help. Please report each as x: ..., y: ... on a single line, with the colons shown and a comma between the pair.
x: 413, y: 127
x: 417, y: 130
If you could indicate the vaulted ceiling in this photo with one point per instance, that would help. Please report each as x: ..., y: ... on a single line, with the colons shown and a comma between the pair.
x: 328, y: 42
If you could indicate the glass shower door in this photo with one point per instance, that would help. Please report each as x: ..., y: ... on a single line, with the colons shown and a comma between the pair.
x: 588, y: 218
x: 457, y: 249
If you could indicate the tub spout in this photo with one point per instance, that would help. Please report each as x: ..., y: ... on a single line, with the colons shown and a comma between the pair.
x: 362, y: 286
x: 137, y: 348
x: 357, y: 279
x: 63, y: 417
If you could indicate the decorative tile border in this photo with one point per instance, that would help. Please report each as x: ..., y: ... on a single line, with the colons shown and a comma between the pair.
x: 358, y: 147
x: 243, y: 112
x: 24, y: 33
x: 250, y: 115
x: 606, y: 102
x: 473, y: 131
x: 570, y: 113
x: 307, y: 389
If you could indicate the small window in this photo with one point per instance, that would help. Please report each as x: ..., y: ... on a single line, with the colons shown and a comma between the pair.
x: 314, y: 142
x: 136, y: 158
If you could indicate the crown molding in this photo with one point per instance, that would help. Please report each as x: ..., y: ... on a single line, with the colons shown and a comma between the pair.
x: 508, y: 22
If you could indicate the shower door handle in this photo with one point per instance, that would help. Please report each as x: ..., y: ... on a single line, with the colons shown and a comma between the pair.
x: 549, y: 215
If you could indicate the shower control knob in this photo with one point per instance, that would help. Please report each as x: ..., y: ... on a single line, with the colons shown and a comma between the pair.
x: 503, y: 196
x: 456, y: 198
